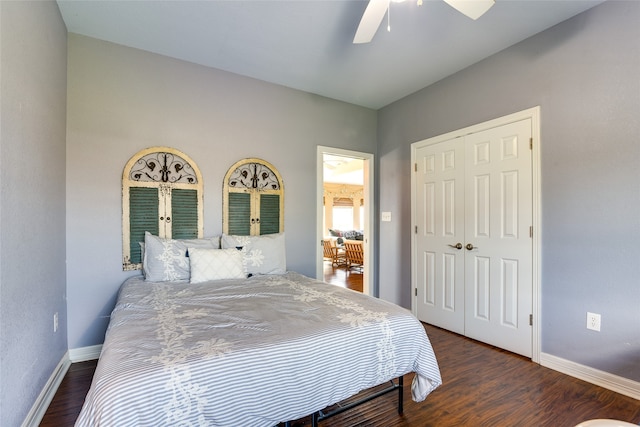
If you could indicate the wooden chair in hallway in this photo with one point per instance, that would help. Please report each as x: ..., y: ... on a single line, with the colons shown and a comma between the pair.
x: 354, y: 252
x: 333, y: 253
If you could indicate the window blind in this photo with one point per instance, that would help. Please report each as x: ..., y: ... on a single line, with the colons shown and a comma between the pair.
x: 143, y: 216
x: 239, y: 214
x: 269, y: 213
x: 184, y: 214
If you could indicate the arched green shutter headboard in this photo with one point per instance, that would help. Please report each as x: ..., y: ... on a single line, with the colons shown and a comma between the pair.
x: 253, y: 198
x: 161, y: 193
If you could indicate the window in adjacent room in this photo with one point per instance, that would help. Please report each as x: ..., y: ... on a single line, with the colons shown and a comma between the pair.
x: 343, y: 217
x: 253, y: 199
x: 161, y: 194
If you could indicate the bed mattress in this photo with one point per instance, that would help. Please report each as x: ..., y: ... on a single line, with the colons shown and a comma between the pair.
x: 248, y: 352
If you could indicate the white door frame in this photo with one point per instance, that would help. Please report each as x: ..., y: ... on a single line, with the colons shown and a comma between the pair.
x: 534, y: 115
x: 369, y: 237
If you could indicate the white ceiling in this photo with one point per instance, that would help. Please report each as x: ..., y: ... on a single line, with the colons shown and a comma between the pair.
x: 343, y: 170
x: 307, y: 44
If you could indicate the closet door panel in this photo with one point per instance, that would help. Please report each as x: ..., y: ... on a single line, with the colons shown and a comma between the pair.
x: 498, y: 247
x: 440, y: 202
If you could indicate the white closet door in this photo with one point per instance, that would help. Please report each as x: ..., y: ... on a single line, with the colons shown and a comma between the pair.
x: 440, y: 228
x: 475, y: 193
x: 498, y: 217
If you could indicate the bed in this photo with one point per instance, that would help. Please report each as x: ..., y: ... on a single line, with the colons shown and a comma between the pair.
x: 253, y: 351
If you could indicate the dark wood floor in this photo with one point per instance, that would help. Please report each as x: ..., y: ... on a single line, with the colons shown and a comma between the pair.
x: 483, y: 386
x: 342, y: 276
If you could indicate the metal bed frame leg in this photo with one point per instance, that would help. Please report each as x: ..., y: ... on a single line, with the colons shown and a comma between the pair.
x: 318, y: 416
x: 400, y: 396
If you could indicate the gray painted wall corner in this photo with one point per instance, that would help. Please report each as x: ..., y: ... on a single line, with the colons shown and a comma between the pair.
x: 32, y: 212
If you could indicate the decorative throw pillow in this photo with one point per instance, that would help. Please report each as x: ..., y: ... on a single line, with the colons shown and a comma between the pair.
x: 216, y: 264
x: 349, y: 234
x: 264, y: 254
x: 335, y: 233
x: 167, y: 259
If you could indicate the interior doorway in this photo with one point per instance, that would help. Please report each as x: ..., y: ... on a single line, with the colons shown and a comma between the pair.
x: 344, y: 206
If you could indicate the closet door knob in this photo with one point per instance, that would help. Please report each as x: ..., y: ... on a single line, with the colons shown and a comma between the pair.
x: 457, y: 246
x: 470, y: 247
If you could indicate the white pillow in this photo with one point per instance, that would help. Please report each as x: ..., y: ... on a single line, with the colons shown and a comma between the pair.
x: 264, y: 254
x: 167, y: 259
x: 216, y: 264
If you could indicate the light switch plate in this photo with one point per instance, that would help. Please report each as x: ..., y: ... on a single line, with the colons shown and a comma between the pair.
x: 386, y: 216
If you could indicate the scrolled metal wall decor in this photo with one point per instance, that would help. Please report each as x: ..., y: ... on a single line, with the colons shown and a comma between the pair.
x: 163, y: 167
x: 254, y: 175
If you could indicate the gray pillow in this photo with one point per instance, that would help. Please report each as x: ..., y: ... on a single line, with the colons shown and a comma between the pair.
x: 167, y: 259
x: 262, y: 254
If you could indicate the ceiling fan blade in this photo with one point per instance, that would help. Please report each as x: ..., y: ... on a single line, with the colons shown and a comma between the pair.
x: 474, y: 9
x: 371, y: 19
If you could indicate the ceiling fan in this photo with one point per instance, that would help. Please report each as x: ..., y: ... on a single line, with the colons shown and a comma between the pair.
x: 376, y: 9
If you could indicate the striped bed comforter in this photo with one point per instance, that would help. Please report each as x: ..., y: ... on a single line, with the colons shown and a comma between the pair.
x: 251, y: 352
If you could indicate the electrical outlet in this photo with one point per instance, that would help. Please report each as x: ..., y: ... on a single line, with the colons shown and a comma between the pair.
x: 593, y: 321
x: 55, y: 322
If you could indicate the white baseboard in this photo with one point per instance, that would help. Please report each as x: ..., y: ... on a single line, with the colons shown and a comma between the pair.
x: 83, y: 354
x: 594, y: 376
x: 39, y: 408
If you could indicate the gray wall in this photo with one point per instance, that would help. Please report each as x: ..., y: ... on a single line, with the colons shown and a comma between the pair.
x: 585, y: 75
x: 32, y: 196
x: 121, y: 100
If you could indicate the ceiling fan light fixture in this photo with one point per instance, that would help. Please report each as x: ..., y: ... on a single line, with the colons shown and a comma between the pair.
x: 371, y: 20
x: 474, y: 9
x: 376, y: 9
